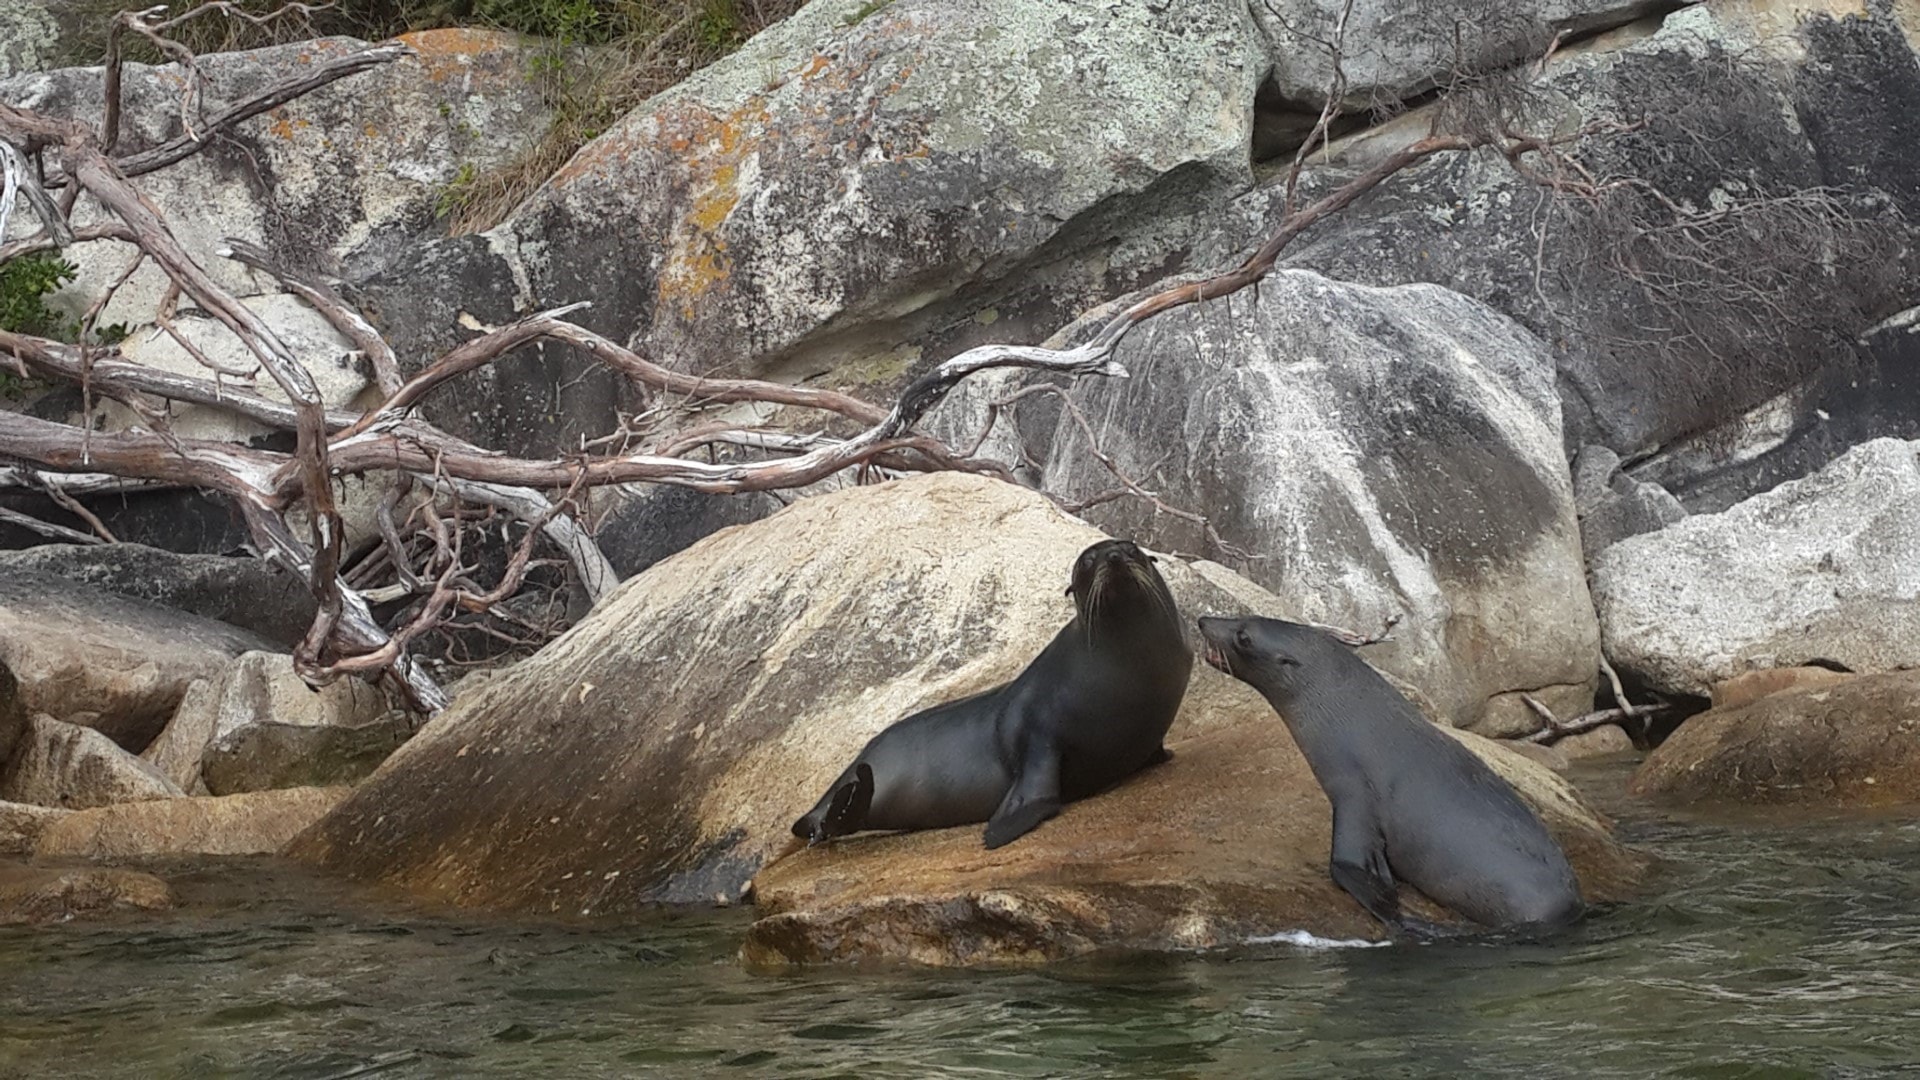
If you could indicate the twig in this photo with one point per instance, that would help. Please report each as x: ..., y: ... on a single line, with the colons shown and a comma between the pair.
x: 73, y: 506
x: 47, y: 528
x: 386, y: 368
x: 1357, y: 639
x: 273, y: 97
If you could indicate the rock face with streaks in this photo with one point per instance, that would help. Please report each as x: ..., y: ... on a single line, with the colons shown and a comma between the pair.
x: 1791, y: 118
x: 751, y: 667
x: 1374, y: 452
x: 1826, y: 568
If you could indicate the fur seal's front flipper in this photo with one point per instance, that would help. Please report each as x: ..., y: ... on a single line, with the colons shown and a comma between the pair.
x: 847, y: 813
x: 1034, y: 797
x: 1359, y: 862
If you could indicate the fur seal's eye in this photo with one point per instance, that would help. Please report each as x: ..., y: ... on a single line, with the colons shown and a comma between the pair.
x: 1243, y: 639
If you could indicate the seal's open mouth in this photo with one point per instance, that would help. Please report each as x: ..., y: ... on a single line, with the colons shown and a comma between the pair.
x: 1216, y: 658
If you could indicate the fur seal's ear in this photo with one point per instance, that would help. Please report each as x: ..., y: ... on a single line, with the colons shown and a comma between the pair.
x: 1069, y: 591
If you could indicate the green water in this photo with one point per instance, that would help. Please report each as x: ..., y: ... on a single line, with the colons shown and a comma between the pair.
x: 1771, y: 950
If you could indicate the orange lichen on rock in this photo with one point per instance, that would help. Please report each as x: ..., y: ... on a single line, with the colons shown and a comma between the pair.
x: 697, y: 262
x: 284, y: 126
x: 450, y: 52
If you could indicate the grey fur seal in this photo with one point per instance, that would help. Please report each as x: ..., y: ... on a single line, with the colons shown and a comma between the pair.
x: 1089, y: 711
x: 1409, y: 802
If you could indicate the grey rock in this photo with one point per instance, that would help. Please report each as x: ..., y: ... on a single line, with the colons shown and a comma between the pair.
x: 340, y: 181
x: 1614, y: 505
x: 1825, y: 568
x: 648, y: 522
x: 259, y: 726
x: 796, y: 207
x: 1739, y: 101
x: 1374, y: 452
x: 76, y: 768
x: 29, y: 36
x: 1393, y: 51
x: 249, y: 593
x: 105, y: 661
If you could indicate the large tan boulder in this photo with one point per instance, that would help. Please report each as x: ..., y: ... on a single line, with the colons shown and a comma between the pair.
x: 105, y: 661
x: 257, y: 823
x: 1848, y: 744
x: 661, y: 749
x: 65, y: 765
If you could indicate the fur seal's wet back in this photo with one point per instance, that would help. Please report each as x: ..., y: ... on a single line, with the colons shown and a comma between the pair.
x: 1088, y: 712
x: 1409, y: 802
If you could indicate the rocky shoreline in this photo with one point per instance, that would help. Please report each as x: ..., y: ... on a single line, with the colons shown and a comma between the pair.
x: 1608, y: 516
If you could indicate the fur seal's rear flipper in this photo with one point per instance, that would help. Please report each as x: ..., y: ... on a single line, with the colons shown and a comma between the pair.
x: 1034, y: 797
x: 847, y: 813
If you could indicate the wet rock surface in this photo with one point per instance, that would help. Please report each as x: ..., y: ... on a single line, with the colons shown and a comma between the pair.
x: 39, y: 894
x: 1849, y: 744
x: 1226, y: 843
x: 256, y: 823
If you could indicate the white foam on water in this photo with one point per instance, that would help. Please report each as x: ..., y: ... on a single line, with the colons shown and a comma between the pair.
x: 1303, y: 940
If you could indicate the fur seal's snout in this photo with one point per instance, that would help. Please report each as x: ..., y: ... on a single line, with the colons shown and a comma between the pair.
x: 1214, y: 632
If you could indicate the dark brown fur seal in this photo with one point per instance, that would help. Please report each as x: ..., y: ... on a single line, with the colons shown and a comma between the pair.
x: 1088, y: 712
x: 1409, y: 802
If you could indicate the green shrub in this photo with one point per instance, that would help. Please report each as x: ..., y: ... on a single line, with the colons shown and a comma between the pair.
x: 25, y: 283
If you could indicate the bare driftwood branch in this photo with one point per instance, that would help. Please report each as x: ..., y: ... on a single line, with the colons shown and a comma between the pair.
x: 1554, y: 729
x: 350, y: 323
x: 47, y: 528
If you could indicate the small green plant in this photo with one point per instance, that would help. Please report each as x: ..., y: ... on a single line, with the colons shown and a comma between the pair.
x: 861, y: 13
x: 458, y: 192
x: 25, y: 283
x: 719, y: 27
